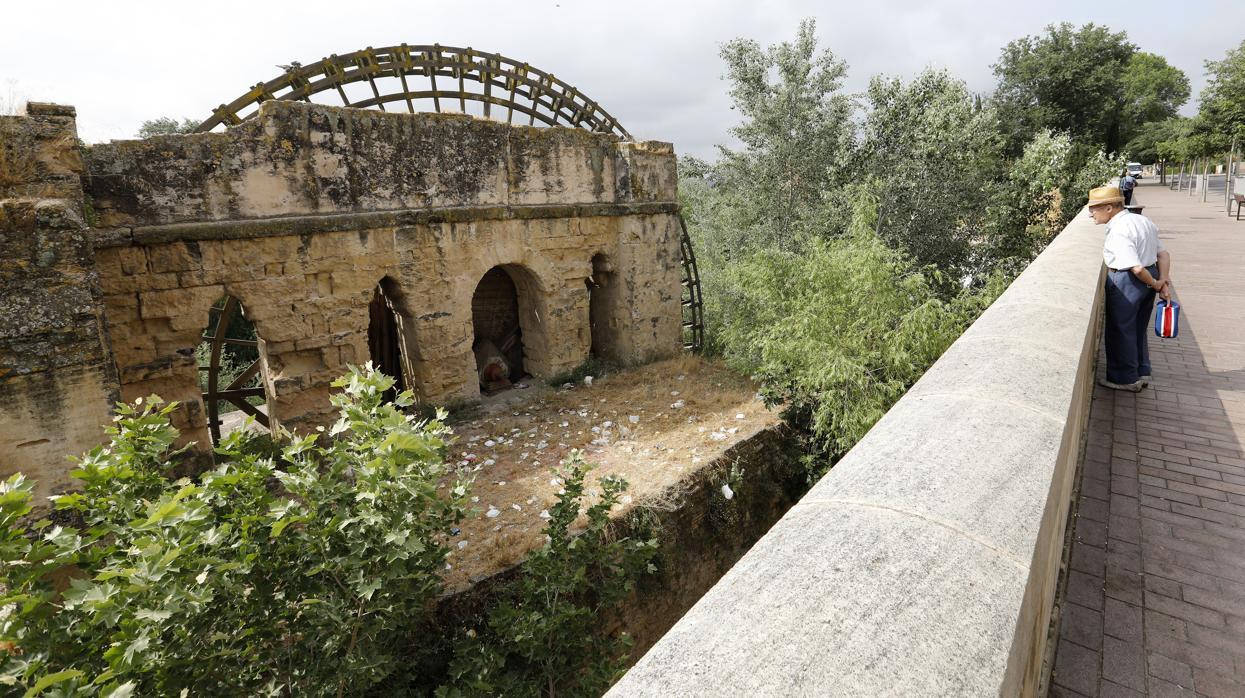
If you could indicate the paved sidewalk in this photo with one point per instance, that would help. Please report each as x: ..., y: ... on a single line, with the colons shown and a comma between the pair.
x: 1155, y: 601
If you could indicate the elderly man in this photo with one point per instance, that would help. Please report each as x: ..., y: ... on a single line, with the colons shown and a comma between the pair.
x: 1137, y: 267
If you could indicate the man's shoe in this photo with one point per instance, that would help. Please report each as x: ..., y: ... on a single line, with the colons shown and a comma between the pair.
x: 1130, y: 387
x: 1146, y: 380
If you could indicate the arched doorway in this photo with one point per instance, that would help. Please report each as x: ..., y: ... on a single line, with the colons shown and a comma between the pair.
x: 230, y: 369
x: 498, y: 306
x: 384, y: 336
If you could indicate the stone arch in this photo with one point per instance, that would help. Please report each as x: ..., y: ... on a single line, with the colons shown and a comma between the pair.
x: 233, y: 372
x: 508, y: 323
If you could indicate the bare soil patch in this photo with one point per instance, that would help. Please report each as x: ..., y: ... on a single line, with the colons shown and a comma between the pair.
x: 652, y: 425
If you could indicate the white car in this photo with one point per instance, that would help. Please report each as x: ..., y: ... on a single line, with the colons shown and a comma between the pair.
x: 1134, y: 169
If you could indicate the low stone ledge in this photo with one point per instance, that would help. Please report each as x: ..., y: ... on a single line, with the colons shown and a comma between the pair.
x: 926, y: 561
x: 338, y: 222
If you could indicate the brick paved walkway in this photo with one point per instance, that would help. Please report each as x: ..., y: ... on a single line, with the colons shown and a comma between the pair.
x: 1155, y: 601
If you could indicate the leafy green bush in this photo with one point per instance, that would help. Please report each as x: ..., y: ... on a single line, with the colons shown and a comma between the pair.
x: 286, y: 573
x: 1095, y: 171
x: 838, y: 333
x: 930, y: 156
x: 543, y: 636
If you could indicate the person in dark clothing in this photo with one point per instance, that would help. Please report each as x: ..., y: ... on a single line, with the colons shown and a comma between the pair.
x: 1127, y: 184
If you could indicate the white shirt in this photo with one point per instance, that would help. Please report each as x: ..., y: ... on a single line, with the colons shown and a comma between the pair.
x: 1132, y: 240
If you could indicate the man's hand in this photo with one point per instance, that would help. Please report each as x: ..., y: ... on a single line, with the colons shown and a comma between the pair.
x: 1163, y: 287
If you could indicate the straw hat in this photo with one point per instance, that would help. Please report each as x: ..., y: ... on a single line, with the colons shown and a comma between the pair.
x: 1105, y: 195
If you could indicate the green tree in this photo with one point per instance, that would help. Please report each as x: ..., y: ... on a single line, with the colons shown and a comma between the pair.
x: 796, y: 136
x: 838, y: 332
x: 1091, y: 172
x: 1069, y: 80
x: 1026, y: 207
x: 929, y: 156
x: 1222, y: 109
x: 1154, y: 91
x: 1147, y: 145
x: 166, y: 126
x: 544, y: 636
x: 287, y: 569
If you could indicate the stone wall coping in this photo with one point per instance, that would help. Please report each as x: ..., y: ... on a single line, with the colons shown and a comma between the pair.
x: 49, y: 109
x: 925, y: 561
x: 338, y: 222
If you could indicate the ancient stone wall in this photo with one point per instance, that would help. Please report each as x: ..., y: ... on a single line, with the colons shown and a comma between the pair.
x: 57, y: 381
x: 302, y: 211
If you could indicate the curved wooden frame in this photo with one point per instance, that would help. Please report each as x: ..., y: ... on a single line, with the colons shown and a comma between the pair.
x: 692, y: 302
x: 503, y: 81
x: 233, y: 393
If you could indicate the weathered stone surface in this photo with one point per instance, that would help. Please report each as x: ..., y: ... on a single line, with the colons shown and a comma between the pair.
x: 298, y: 158
x: 57, y: 380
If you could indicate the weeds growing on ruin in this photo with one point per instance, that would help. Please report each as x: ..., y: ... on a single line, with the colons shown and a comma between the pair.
x: 542, y: 636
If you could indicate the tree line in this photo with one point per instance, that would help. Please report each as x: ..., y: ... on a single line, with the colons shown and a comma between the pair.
x: 850, y: 238
x: 1217, y: 128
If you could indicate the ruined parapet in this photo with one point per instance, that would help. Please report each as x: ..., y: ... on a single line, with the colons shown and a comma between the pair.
x: 57, y: 381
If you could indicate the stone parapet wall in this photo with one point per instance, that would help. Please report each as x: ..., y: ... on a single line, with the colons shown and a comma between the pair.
x: 926, y: 561
x: 304, y: 159
x: 57, y: 382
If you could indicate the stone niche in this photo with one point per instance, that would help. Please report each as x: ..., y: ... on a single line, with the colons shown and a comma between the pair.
x: 307, y: 215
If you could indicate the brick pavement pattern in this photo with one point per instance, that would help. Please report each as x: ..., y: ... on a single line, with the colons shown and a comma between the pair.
x: 1155, y: 601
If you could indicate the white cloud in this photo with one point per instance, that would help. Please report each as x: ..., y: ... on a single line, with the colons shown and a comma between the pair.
x: 654, y: 65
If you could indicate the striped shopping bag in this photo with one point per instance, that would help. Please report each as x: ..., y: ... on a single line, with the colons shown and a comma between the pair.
x: 1167, y: 319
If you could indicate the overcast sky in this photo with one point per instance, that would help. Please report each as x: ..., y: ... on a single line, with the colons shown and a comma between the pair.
x: 653, y: 64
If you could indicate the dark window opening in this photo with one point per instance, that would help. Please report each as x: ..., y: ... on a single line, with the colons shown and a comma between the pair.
x: 602, y: 302
x: 384, y: 338
x: 498, y: 344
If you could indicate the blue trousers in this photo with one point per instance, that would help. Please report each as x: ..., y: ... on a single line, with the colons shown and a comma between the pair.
x: 1129, y: 305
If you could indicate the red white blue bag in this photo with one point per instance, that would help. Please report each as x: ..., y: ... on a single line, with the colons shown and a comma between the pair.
x: 1167, y: 319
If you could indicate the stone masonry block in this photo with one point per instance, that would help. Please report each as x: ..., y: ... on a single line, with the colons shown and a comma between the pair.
x: 178, y: 256
x: 179, y: 301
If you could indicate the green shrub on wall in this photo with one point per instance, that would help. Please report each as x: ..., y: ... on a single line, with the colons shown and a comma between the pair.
x: 543, y: 634
x: 296, y: 566
x: 274, y: 573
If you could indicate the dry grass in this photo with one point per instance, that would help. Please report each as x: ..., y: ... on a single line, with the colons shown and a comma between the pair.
x: 518, y: 439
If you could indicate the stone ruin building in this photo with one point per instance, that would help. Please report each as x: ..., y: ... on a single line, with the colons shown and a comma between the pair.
x: 514, y: 238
